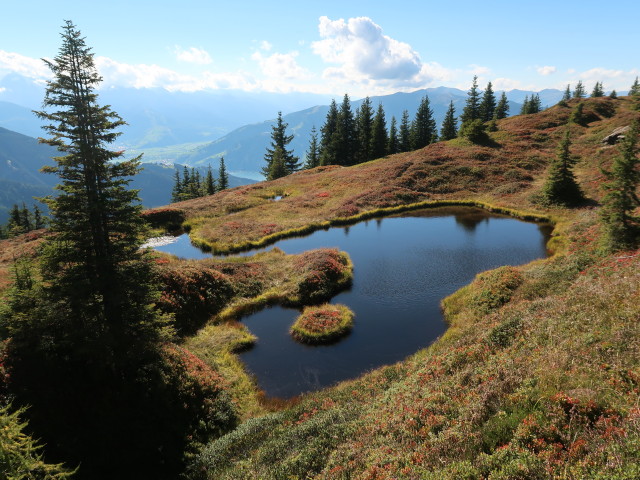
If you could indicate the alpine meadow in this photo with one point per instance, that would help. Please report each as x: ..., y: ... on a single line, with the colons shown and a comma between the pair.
x: 282, y: 328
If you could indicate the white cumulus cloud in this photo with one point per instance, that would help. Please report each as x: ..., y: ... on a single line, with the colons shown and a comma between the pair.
x: 281, y: 65
x: 546, y: 70
x: 363, y: 54
x: 26, y: 66
x: 192, y: 55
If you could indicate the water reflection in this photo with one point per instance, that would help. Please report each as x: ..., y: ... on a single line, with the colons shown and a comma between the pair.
x: 403, y: 266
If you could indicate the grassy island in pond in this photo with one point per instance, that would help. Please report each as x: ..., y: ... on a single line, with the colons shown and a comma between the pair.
x: 322, y: 324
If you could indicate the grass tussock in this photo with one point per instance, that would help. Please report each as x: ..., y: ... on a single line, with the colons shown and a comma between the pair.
x: 322, y: 324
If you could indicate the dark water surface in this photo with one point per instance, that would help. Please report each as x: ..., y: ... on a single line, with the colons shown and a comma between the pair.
x: 403, y: 267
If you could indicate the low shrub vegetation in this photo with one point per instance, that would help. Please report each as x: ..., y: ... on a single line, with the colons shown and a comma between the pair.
x: 322, y: 324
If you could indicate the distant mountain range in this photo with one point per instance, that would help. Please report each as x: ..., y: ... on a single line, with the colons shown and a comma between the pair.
x: 21, y: 158
x: 157, y: 117
x: 198, y: 128
x: 244, y: 148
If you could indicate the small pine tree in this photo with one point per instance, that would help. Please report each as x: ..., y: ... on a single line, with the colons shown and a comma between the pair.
x: 449, y: 128
x: 209, y: 187
x: 577, y: 116
x: 223, y: 177
x: 620, y: 200
x: 313, y: 154
x: 280, y: 139
x: 488, y: 104
x: 38, y: 220
x: 613, y: 94
x: 404, y: 133
x: 176, y: 192
x: 393, y: 145
x: 579, y: 91
x: 472, y: 107
x: 423, y: 127
x: 561, y: 187
x: 474, y: 131
x: 567, y: 94
x: 278, y: 168
x: 524, y: 110
x: 379, y: 138
x: 535, y: 105
x: 635, y: 88
x: 502, y: 109
x: 598, y: 90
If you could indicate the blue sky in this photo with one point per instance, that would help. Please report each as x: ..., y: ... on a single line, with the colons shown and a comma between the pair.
x: 333, y: 47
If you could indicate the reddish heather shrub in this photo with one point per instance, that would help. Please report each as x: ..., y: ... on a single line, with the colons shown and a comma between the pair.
x: 193, y: 292
x: 197, y: 398
x: 322, y: 324
x: 167, y: 218
x: 324, y: 272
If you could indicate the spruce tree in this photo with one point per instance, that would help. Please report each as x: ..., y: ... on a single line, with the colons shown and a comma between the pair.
x: 209, y: 183
x: 525, y: 109
x: 598, y: 90
x: 535, y: 105
x: 87, y: 345
x: 404, y: 133
x: 635, y: 88
x: 567, y: 94
x: 379, y: 138
x: 223, y: 177
x: 502, y: 109
x: 472, y: 107
x: 613, y: 94
x: 393, y: 145
x: 423, y: 127
x: 449, y: 128
x: 577, y: 115
x: 561, y: 187
x: 313, y: 154
x: 364, y: 127
x: 346, y: 139
x: 488, y: 104
x: 620, y: 200
x: 277, y: 168
x: 176, y: 191
x: 329, y: 134
x: 38, y: 220
x: 579, y: 91
x: 280, y: 139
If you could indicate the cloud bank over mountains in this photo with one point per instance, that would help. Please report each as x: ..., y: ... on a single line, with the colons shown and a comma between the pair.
x: 352, y: 55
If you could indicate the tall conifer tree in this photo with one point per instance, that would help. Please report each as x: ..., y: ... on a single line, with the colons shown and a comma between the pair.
x: 423, y: 127
x: 472, y: 107
x: 346, y: 134
x: 567, y: 94
x: 87, y: 345
x: 364, y: 126
x: 620, y: 227
x: 502, y: 109
x: 579, y: 91
x: 449, y: 128
x: 223, y: 177
x: 329, y: 134
x: 393, y: 145
x: 280, y: 139
x: 404, y: 134
x: 598, y: 90
x: 488, y: 104
x: 379, y: 138
x: 313, y: 154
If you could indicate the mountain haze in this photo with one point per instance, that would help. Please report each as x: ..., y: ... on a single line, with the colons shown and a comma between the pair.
x: 22, y: 157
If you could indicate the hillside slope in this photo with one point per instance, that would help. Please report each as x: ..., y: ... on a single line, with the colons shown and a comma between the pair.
x: 244, y: 147
x: 538, y: 375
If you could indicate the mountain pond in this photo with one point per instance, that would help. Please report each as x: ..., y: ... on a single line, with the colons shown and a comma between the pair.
x: 404, y: 265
